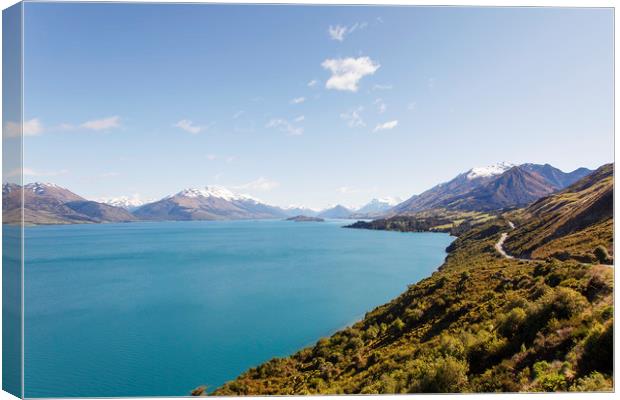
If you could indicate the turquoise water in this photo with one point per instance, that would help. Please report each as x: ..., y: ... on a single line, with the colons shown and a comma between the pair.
x: 147, y: 309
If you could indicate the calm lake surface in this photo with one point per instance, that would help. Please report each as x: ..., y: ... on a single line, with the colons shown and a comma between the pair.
x: 147, y: 309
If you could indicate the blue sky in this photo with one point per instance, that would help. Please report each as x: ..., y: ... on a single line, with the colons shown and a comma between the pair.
x: 308, y: 105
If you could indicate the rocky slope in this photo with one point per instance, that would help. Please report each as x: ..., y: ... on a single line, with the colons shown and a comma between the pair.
x: 47, y: 203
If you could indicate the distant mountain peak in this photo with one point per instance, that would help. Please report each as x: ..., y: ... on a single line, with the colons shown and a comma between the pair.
x: 41, y: 187
x: 128, y: 203
x: 215, y: 191
x: 488, y: 171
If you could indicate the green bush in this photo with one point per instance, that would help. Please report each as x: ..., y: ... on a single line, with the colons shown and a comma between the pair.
x: 595, y: 382
x: 512, y: 322
x: 598, y: 350
x: 449, y: 375
x: 547, y: 378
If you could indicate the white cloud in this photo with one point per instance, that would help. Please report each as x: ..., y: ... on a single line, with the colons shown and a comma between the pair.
x: 34, y: 173
x: 412, y: 106
x: 298, y: 100
x: 386, y: 126
x: 262, y: 184
x: 31, y: 127
x: 381, y: 106
x: 188, y: 126
x: 313, y: 83
x: 211, y: 157
x: 339, y: 32
x: 347, y: 72
x: 102, y: 124
x: 354, y: 118
x: 382, y: 87
x: 284, y: 126
x: 301, y: 118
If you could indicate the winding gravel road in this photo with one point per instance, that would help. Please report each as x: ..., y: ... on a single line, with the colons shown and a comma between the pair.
x: 499, y: 246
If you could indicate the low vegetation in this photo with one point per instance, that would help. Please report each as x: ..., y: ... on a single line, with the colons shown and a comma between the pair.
x: 436, y: 220
x: 481, y: 323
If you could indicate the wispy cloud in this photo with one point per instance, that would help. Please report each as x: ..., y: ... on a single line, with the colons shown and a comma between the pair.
x: 313, y: 83
x: 34, y: 173
x: 347, y: 72
x: 354, y: 117
x: 284, y: 126
x: 381, y: 106
x: 411, y: 106
x: 261, y: 184
x: 102, y: 124
x: 339, y: 32
x: 32, y: 127
x: 301, y: 118
x: 382, y: 87
x: 212, y: 157
x: 188, y: 126
x: 386, y: 126
x: 298, y: 100
x: 238, y: 114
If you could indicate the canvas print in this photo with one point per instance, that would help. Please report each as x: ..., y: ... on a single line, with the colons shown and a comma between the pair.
x: 231, y: 199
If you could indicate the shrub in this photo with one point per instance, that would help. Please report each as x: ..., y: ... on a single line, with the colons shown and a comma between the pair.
x: 547, y: 378
x: 397, y: 326
x: 598, y: 350
x: 512, y: 322
x: 450, y: 345
x: 449, y: 375
x: 601, y: 254
x: 595, y: 382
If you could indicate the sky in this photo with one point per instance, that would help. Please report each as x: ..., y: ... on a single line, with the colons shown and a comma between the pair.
x: 308, y: 105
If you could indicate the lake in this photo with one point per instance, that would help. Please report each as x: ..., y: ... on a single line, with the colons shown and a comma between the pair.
x: 159, y: 308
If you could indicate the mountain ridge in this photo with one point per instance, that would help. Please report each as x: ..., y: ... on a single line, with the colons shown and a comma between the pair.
x: 496, y: 187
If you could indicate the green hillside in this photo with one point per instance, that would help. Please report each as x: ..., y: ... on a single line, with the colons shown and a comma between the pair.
x: 481, y: 323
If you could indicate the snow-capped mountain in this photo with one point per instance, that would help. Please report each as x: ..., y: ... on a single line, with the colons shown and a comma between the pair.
x: 208, y: 203
x: 214, y: 191
x: 128, y: 203
x: 488, y: 171
x: 495, y: 187
x: 378, y: 205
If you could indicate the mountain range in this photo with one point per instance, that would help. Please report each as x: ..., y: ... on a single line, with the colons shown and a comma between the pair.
x: 47, y: 203
x: 497, y: 187
x: 209, y: 203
